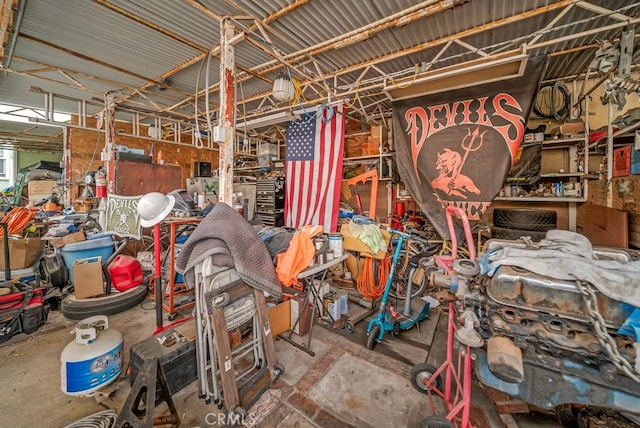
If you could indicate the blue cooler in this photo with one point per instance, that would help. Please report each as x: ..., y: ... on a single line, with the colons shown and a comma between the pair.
x: 103, y: 247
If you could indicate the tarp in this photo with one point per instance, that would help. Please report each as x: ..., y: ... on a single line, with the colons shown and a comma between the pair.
x: 456, y: 147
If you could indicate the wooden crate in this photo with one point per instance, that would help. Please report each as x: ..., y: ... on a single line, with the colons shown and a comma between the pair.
x: 41, y: 187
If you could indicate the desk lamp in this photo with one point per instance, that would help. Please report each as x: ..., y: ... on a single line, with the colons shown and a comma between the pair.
x: 153, y: 208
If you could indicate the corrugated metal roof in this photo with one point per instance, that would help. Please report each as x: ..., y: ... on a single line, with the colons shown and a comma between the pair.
x: 129, y: 46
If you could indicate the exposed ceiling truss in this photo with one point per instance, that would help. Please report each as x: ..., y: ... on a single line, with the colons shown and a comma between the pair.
x: 336, y: 67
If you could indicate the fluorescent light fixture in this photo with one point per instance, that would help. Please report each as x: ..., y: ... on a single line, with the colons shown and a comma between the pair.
x: 260, y: 122
x: 471, y: 73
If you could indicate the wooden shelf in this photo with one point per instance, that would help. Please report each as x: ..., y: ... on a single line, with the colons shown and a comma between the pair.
x: 563, y: 174
x: 368, y: 157
x: 566, y: 140
x: 541, y: 198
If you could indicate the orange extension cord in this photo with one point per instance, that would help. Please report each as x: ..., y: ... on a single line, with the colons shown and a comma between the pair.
x: 368, y: 286
x: 17, y: 219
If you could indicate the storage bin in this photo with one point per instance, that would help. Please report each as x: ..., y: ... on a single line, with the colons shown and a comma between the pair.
x: 103, y: 247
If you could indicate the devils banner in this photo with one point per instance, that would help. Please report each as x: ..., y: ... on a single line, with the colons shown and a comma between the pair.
x: 456, y: 147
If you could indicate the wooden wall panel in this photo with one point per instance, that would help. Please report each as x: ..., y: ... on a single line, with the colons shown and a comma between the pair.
x: 85, y: 142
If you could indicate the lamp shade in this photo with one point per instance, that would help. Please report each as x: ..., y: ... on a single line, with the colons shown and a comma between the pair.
x: 154, y: 207
x: 283, y: 89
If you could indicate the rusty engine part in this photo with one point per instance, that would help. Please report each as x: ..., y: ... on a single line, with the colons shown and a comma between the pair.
x: 541, y: 344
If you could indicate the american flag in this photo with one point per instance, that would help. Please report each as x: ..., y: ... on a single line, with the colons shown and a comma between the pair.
x: 315, y: 145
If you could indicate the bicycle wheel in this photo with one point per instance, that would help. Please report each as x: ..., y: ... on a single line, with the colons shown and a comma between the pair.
x: 414, y: 271
x: 401, y: 276
x: 136, y: 246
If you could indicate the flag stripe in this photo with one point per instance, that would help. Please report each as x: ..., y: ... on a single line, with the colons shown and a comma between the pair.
x: 314, y: 169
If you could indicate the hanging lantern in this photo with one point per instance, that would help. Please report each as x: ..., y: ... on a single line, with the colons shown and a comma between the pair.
x: 283, y: 89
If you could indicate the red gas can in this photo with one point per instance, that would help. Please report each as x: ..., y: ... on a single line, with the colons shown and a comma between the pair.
x: 125, y: 272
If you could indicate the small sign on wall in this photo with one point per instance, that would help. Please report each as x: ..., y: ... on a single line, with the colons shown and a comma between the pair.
x: 122, y: 216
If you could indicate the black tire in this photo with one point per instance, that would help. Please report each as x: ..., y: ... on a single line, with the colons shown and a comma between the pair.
x: 513, y: 234
x: 372, y: 339
x: 420, y: 373
x: 436, y: 422
x: 77, y: 309
x: 522, y: 219
x: 349, y: 327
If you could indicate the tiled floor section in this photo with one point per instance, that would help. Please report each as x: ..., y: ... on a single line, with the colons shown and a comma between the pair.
x: 343, y: 385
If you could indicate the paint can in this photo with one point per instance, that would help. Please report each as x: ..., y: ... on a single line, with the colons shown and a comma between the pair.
x: 335, y: 244
x: 329, y: 254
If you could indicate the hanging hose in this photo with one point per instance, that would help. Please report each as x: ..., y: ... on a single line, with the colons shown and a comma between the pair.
x: 370, y: 285
x: 17, y: 219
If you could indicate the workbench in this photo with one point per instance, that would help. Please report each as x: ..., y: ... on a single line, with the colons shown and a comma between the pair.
x: 306, y: 277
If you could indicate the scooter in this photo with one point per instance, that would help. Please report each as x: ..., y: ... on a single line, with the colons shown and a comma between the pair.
x: 387, y: 319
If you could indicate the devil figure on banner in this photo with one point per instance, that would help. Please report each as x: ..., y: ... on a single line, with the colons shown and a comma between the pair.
x: 457, y: 147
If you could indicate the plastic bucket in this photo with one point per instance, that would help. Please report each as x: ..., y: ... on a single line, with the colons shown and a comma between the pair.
x: 103, y: 247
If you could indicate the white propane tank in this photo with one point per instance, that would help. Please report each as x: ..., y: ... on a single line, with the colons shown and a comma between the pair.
x: 93, y: 359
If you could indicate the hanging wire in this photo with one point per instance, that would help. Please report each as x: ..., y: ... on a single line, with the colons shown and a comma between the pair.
x: 199, y: 143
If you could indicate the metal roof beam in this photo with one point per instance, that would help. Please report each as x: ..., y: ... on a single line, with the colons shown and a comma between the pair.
x: 602, y: 11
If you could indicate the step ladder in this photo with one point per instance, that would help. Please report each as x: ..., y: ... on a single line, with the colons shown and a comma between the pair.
x: 19, y: 186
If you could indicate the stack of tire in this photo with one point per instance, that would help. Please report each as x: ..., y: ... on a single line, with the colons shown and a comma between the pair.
x: 513, y: 223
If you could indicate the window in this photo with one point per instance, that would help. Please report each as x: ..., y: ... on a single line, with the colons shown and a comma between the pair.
x: 3, y: 164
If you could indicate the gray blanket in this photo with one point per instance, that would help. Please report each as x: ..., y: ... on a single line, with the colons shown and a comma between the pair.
x: 226, y: 237
x: 569, y: 256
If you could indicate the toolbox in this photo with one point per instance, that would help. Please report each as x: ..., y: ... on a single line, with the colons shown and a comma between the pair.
x: 175, y: 349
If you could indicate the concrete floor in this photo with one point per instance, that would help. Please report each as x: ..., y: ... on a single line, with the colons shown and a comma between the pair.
x: 343, y: 385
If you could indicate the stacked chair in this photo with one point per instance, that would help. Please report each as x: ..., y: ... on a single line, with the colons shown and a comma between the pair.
x: 235, y: 349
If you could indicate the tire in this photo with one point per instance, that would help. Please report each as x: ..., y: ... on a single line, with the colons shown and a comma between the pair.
x: 78, y: 309
x: 436, y: 422
x: 349, y: 327
x: 420, y: 373
x: 372, y: 339
x: 513, y: 234
x: 522, y: 219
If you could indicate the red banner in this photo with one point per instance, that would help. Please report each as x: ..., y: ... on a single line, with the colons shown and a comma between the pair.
x: 456, y: 147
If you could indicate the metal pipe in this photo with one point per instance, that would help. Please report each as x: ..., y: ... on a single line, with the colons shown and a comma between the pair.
x: 610, y: 156
x: 21, y: 7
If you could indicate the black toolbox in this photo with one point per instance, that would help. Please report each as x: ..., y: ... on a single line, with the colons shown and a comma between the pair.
x: 177, y: 356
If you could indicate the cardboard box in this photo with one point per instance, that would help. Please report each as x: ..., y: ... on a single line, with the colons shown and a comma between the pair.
x: 68, y: 239
x: 280, y: 317
x: 573, y: 127
x: 300, y: 317
x: 607, y: 227
x: 87, y: 277
x: 22, y: 252
x: 41, y: 187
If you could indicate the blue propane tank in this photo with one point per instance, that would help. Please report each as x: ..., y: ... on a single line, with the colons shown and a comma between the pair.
x: 93, y: 359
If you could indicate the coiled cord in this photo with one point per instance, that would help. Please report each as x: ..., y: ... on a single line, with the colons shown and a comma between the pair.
x: 17, y: 219
x: 103, y: 419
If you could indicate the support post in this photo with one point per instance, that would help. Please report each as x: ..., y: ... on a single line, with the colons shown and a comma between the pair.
x: 227, y: 120
x: 610, y: 156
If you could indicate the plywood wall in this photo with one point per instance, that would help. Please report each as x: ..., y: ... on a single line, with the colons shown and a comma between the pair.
x: 86, y: 146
